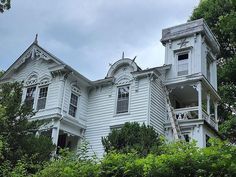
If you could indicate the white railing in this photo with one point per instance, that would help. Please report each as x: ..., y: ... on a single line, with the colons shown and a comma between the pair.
x: 209, y: 118
x: 186, y: 113
x: 192, y: 113
x: 205, y: 115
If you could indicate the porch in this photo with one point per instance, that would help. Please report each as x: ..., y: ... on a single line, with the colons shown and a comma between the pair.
x: 64, y: 134
x: 194, y: 101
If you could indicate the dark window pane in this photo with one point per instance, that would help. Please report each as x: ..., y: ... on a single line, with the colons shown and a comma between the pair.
x: 183, y: 56
x: 30, y: 95
x: 72, y: 110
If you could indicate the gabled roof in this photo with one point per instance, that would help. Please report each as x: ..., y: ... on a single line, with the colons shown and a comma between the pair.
x: 28, y: 54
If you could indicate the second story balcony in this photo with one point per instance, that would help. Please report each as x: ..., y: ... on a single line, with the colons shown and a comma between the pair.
x: 193, y: 102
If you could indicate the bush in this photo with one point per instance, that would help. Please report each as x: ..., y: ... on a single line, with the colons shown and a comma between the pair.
x: 132, y: 138
x: 177, y: 159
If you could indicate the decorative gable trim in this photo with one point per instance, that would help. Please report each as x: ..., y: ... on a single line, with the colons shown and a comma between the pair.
x: 32, y: 79
x: 123, y: 79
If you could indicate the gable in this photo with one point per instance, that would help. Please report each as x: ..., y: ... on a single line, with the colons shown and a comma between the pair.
x: 34, y: 59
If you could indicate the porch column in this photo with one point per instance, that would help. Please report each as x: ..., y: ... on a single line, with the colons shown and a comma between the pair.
x: 216, y: 115
x: 199, y: 89
x: 208, y: 105
x: 55, y: 131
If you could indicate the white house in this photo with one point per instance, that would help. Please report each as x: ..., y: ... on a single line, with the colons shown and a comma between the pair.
x: 179, y: 99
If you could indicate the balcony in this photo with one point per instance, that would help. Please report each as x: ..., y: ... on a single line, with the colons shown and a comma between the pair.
x: 191, y: 113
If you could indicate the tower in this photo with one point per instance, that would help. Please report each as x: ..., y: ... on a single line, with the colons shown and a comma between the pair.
x: 191, y: 50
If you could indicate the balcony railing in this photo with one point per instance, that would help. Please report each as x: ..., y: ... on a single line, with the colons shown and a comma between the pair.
x: 209, y: 118
x: 186, y: 113
x: 192, y: 113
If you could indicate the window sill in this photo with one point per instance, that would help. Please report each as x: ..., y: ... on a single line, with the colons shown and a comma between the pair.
x: 122, y: 114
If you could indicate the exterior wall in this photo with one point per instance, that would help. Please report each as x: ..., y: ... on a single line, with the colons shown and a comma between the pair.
x: 81, y: 113
x: 53, y: 104
x: 158, y: 114
x: 102, y: 111
x: 193, y: 47
x: 209, y: 132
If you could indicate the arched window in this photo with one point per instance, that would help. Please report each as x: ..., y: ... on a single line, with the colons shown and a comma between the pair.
x: 36, y: 91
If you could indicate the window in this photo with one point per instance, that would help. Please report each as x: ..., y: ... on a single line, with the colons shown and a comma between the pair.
x: 30, y: 95
x: 42, y: 98
x: 123, y: 99
x: 208, y: 70
x: 73, y: 104
x: 183, y: 64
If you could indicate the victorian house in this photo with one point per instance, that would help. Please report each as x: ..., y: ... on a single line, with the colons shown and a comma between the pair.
x: 179, y: 99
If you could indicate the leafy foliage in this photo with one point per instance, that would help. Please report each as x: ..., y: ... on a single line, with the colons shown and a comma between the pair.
x: 227, y: 129
x: 132, y: 137
x: 177, y: 159
x: 5, y: 5
x: 18, y: 141
x: 220, y: 15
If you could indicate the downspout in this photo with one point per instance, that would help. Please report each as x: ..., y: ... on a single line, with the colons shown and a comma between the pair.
x: 149, y: 98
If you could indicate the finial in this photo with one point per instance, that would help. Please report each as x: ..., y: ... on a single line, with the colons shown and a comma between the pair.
x: 123, y: 55
x: 36, y: 39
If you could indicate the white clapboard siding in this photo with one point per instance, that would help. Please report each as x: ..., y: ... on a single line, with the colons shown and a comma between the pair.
x: 101, y: 112
x: 41, y: 68
x: 82, y: 106
x: 157, y: 106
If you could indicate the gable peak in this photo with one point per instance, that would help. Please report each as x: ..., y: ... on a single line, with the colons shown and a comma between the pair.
x: 36, y: 39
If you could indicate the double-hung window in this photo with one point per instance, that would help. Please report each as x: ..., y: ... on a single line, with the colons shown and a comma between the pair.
x: 30, y: 96
x: 183, y: 60
x: 42, y: 98
x: 209, y: 70
x: 122, y: 99
x: 73, y: 104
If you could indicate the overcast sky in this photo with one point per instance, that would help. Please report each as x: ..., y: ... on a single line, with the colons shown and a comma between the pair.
x: 90, y: 34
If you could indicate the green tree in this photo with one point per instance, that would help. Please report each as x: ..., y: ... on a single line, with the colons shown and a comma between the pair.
x: 220, y: 16
x: 5, y: 5
x: 177, y: 159
x: 17, y: 134
x: 132, y: 137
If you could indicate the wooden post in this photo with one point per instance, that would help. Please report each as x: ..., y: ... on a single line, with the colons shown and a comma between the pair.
x: 199, y: 89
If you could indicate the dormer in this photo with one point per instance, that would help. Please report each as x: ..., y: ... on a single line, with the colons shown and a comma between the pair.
x: 191, y: 49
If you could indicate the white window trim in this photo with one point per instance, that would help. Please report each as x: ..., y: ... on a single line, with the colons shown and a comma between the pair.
x: 115, y: 110
x: 183, y: 51
x: 77, y: 106
x: 38, y: 87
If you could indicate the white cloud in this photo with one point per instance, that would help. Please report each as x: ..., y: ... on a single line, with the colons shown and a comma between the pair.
x: 91, y: 34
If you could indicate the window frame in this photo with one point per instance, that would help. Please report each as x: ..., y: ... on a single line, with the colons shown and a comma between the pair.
x: 116, y: 104
x: 38, y: 97
x: 183, y: 52
x: 35, y: 95
x: 74, y: 106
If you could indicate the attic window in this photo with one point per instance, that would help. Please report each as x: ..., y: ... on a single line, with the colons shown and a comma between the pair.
x: 183, y: 64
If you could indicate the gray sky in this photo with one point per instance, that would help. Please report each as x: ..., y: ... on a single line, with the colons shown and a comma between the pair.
x: 90, y: 34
